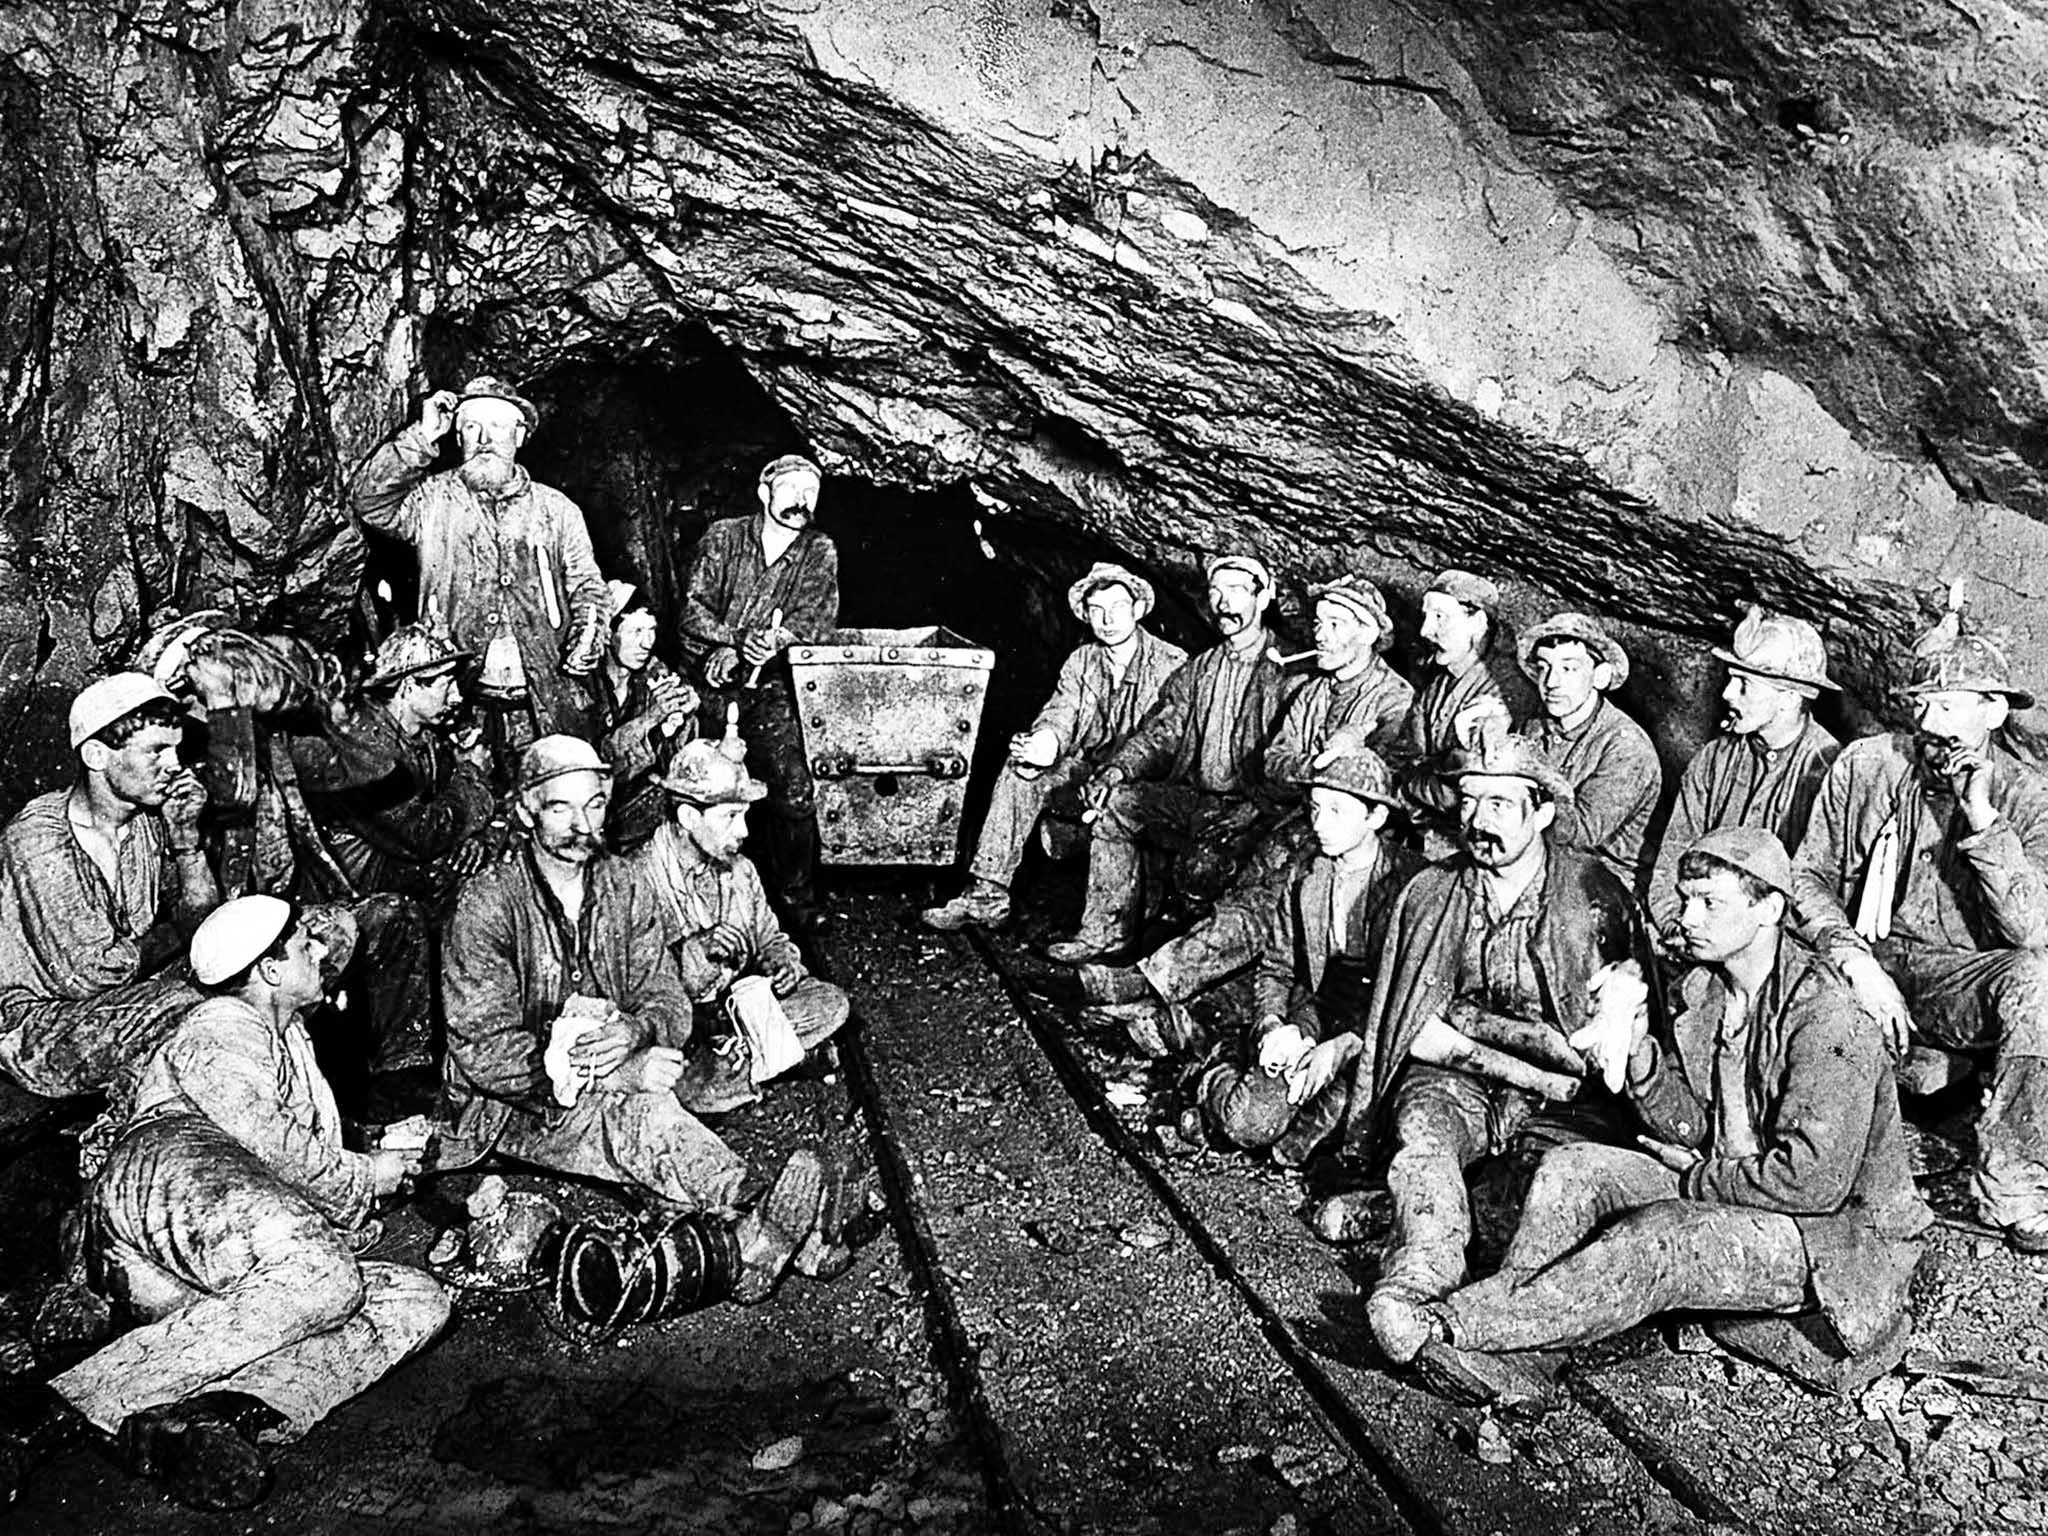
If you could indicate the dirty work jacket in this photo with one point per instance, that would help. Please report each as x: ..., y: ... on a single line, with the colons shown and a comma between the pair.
x: 630, y: 742
x: 1370, y: 706
x: 1090, y: 712
x: 1832, y: 1150
x: 1167, y: 744
x: 1987, y: 890
x: 732, y: 587
x: 511, y: 959
x: 1737, y: 781
x: 1616, y: 781
x: 1587, y: 919
x: 260, y: 1083
x: 695, y: 897
x: 1422, y: 752
x: 524, y: 562
x: 1297, y: 946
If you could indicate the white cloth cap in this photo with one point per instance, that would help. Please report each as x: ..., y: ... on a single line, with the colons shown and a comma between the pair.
x: 234, y: 934
x: 100, y: 704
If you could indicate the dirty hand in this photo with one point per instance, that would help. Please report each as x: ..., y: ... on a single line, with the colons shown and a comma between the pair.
x: 1095, y: 794
x: 1617, y: 1019
x: 584, y: 648
x: 392, y: 1170
x: 1969, y: 776
x: 1677, y: 1159
x: 1482, y: 718
x: 758, y: 647
x: 725, y: 944
x: 719, y: 669
x: 183, y: 801
x: 1879, y: 998
x: 601, y: 1050
x: 785, y: 972
x: 437, y: 415
x: 1035, y: 749
x: 657, y: 1069
x: 1340, y: 743
x: 1282, y: 1050
x: 469, y: 858
x: 671, y: 701
x: 1315, y: 1071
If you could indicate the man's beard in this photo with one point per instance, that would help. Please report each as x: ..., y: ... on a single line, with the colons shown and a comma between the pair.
x: 489, y: 474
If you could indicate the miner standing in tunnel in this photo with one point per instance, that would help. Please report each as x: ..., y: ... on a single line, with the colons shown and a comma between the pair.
x: 506, y: 569
x: 758, y: 585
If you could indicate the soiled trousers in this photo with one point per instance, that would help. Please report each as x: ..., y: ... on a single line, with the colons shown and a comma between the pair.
x: 1996, y: 1000
x: 1249, y: 1109
x: 62, y: 1046
x: 1650, y: 1251
x: 1014, y: 806
x: 646, y: 1141
x: 1174, y: 818
x: 240, y: 1285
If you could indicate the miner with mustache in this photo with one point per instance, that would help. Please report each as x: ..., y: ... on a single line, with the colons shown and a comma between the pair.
x: 1765, y: 766
x: 1459, y: 625
x: 1192, y: 774
x: 1924, y: 875
x: 506, y: 569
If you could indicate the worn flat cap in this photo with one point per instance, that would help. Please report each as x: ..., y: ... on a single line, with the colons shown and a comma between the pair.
x: 234, y: 934
x: 1498, y: 754
x: 489, y: 387
x: 1585, y: 629
x: 1780, y: 649
x: 1953, y: 658
x: 1363, y: 774
x: 1751, y: 850
x: 100, y: 704
x: 549, y: 757
x: 1471, y: 590
x: 1249, y: 565
x: 619, y: 596
x: 1104, y: 574
x: 789, y: 464
x: 1362, y: 598
x: 705, y: 776
x: 409, y: 651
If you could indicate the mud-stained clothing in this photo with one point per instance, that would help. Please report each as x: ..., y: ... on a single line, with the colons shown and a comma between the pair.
x: 1616, y: 781
x: 1369, y: 707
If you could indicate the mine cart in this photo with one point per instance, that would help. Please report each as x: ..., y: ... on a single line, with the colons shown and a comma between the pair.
x: 889, y: 719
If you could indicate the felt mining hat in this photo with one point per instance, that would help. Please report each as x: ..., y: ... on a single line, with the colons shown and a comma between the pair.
x: 705, y: 776
x: 409, y: 651
x: 1779, y: 649
x: 1751, y: 850
x: 1498, y: 754
x: 1362, y: 598
x: 1104, y: 574
x: 1362, y: 774
x: 1471, y: 590
x: 234, y: 934
x: 488, y: 387
x: 549, y: 757
x: 100, y: 704
x: 1952, y: 659
x: 1583, y: 628
x: 1249, y: 565
x: 789, y: 464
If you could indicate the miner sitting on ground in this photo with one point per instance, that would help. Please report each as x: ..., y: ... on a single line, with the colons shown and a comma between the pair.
x: 100, y: 883
x: 1105, y: 687
x: 1765, y: 766
x: 1485, y: 971
x: 1773, y: 1193
x: 1459, y: 622
x: 225, y: 1225
x: 733, y: 955
x: 1606, y: 757
x: 1354, y: 701
x: 1937, y: 840
x: 506, y: 569
x: 566, y: 1018
x: 1190, y: 780
x: 758, y: 585
x: 644, y: 712
x: 1325, y: 928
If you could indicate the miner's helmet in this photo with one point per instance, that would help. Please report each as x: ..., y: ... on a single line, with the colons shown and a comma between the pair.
x: 1362, y: 774
x: 412, y: 650
x: 1955, y: 658
x: 489, y: 387
x: 1779, y: 649
x: 703, y: 776
x: 550, y: 757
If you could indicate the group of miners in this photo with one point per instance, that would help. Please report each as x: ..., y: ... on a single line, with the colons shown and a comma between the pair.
x: 499, y: 877
x: 1465, y: 944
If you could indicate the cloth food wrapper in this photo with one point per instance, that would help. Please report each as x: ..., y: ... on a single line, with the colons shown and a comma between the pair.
x: 756, y: 1012
x: 1616, y: 993
x: 580, y: 1016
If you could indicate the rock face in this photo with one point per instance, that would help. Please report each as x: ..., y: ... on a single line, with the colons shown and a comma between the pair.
x: 1649, y: 313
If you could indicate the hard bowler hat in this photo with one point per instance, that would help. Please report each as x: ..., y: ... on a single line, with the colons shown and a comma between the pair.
x: 235, y: 934
x: 409, y: 651
x: 549, y: 757
x: 1583, y: 628
x: 1751, y: 850
x: 1471, y: 590
x: 1952, y: 659
x: 1362, y: 774
x: 1779, y: 649
x: 488, y: 387
x: 788, y: 464
x: 1498, y: 754
x: 705, y: 776
x: 1104, y: 574
x: 100, y: 704
x: 1249, y: 565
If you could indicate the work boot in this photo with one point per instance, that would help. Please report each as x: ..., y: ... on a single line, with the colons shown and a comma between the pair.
x: 202, y: 1451
x: 770, y: 1234
x: 1508, y: 1382
x: 1345, y: 1218
x: 1114, y: 984
x: 849, y: 1216
x: 1403, y: 1319
x: 719, y: 1080
x: 984, y: 904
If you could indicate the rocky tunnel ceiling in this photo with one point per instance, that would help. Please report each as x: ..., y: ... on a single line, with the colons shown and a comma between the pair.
x: 1652, y: 308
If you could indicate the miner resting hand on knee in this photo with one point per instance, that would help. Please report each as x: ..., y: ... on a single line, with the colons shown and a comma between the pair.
x: 1190, y: 780
x: 759, y: 1012
x: 1924, y: 875
x: 100, y: 885
x: 1772, y: 1191
x: 1459, y: 624
x: 644, y: 713
x: 1765, y: 766
x: 506, y: 569
x: 1354, y: 701
x: 224, y: 1227
x: 1105, y: 688
x: 1325, y: 929
x: 1487, y: 963
x: 758, y: 585
x: 1606, y: 757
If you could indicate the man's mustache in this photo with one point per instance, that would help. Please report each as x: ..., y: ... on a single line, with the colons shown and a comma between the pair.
x: 1484, y: 840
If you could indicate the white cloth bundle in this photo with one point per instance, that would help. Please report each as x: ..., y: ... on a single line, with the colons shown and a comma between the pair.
x: 1616, y: 995
x: 580, y: 1016
x: 756, y: 1012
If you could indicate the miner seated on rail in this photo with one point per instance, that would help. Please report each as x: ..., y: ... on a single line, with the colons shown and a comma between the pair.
x: 1772, y: 1190
x: 759, y: 1013
x: 1105, y: 688
x: 567, y: 1020
x: 645, y: 712
x: 100, y: 884
x: 1924, y: 875
x: 225, y: 1226
x: 1355, y: 700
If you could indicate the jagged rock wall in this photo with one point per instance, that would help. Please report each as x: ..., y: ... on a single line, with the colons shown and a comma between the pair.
x: 1600, y: 303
